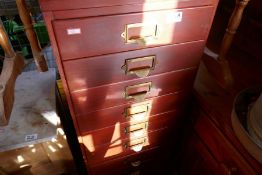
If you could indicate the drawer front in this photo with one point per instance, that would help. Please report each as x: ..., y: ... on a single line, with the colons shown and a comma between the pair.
x: 230, y: 160
x: 132, y: 91
x: 47, y: 5
x: 197, y: 159
x: 145, y: 168
x: 101, y: 70
x: 108, y: 117
x: 121, y: 165
x: 122, y: 148
x: 126, y: 130
x: 79, y: 38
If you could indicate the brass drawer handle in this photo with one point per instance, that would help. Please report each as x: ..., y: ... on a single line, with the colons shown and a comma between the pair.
x: 138, y: 92
x: 137, y: 113
x: 140, y: 33
x: 136, y: 163
x: 138, y: 133
x: 136, y: 145
x: 141, y: 67
x: 139, y: 116
x: 137, y: 129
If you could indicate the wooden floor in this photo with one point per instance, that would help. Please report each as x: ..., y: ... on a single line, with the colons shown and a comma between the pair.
x: 48, y: 158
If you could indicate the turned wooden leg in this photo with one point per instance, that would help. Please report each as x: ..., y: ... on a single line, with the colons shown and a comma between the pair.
x: 5, y: 43
x: 12, y: 67
x: 232, y: 27
x: 219, y: 67
x: 30, y: 33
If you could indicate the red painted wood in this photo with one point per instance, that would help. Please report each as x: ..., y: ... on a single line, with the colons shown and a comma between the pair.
x: 117, y: 166
x: 48, y: 16
x: 124, y: 164
x: 108, y: 152
x: 221, y: 149
x: 52, y: 5
x: 97, y: 71
x: 114, y: 10
x: 97, y: 38
x: 113, y: 95
x: 218, y: 104
x: 104, y: 136
x: 108, y: 117
x: 196, y: 159
x: 96, y: 99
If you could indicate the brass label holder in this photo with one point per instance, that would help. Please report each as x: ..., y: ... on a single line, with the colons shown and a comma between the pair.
x: 139, y: 95
x: 140, y: 72
x: 148, y: 33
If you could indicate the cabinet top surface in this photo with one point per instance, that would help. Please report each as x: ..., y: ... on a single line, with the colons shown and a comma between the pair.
x: 53, y: 5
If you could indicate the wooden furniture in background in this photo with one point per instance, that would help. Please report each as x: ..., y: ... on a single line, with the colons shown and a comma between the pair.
x: 9, y: 7
x: 212, y: 144
x: 249, y: 34
x: 127, y: 68
x: 30, y: 33
x: 12, y: 67
x: 218, y: 66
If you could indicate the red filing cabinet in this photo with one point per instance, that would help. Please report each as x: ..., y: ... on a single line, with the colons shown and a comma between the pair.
x: 127, y: 68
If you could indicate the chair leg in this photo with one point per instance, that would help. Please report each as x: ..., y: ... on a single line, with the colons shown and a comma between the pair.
x: 30, y: 33
x: 219, y: 67
x: 12, y: 67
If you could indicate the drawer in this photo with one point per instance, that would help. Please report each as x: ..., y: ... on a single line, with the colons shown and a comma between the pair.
x: 146, y: 167
x: 112, y: 68
x: 151, y: 167
x: 126, y: 164
x: 229, y: 159
x: 131, y: 131
x: 79, y: 38
x: 196, y: 159
x: 102, y: 97
x: 124, y: 113
x: 120, y: 148
x: 47, y: 5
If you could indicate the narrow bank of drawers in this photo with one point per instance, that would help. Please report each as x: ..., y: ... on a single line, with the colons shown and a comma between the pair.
x: 129, y: 66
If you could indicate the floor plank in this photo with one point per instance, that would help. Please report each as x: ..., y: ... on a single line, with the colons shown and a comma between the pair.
x: 48, y: 158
